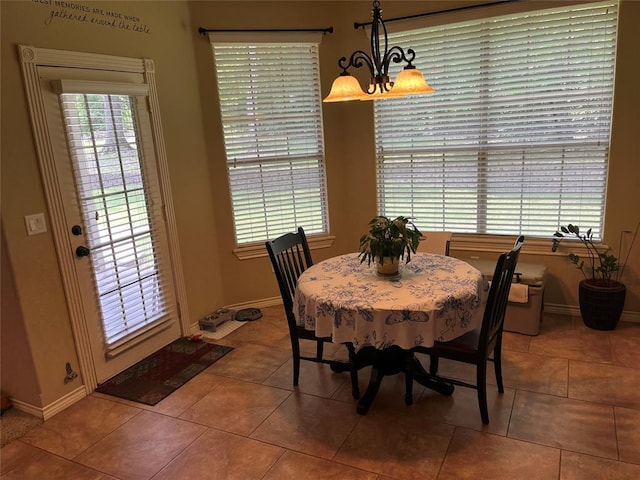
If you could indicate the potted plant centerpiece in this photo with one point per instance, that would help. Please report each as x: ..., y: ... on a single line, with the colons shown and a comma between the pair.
x: 601, y: 295
x: 388, y: 241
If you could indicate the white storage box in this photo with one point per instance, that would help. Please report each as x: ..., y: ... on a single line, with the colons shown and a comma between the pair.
x: 526, y: 299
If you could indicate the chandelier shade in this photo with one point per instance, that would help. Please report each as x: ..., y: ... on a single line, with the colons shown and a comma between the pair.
x: 345, y: 87
x: 410, y: 80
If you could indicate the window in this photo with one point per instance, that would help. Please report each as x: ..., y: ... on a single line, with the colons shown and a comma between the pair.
x: 516, y: 137
x: 114, y: 196
x: 272, y: 123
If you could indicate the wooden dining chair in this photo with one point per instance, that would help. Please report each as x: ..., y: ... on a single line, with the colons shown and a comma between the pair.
x: 435, y: 242
x: 476, y: 347
x: 290, y: 256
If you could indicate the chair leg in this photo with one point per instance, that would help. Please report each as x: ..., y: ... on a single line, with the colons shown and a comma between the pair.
x: 408, y: 378
x: 295, y: 349
x: 481, y: 379
x: 353, y: 370
x: 497, y: 365
x: 319, y: 348
x: 433, y: 364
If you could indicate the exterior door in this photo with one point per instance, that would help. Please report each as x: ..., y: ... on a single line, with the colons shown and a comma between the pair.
x: 106, y: 173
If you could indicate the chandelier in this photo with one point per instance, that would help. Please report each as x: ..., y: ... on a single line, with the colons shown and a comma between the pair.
x: 410, y: 80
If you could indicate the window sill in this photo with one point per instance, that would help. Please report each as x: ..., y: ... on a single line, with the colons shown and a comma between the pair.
x: 257, y: 250
x: 503, y: 243
x: 461, y: 242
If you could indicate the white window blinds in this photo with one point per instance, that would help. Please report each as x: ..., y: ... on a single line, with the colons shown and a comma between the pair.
x: 120, y: 201
x: 516, y: 137
x: 272, y: 122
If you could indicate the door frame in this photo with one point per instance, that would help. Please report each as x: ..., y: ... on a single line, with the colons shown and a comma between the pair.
x: 30, y: 59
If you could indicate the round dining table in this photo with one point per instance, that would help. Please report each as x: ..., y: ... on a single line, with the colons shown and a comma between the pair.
x: 432, y: 298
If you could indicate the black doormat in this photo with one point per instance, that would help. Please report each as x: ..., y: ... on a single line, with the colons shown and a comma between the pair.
x: 163, y: 372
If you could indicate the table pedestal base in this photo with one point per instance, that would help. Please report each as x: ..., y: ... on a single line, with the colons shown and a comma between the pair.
x: 391, y: 361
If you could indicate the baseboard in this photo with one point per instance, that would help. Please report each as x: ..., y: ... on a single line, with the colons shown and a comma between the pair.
x: 27, y: 408
x: 574, y: 311
x: 52, y: 409
x: 265, y: 302
x: 558, y: 309
x: 64, y: 402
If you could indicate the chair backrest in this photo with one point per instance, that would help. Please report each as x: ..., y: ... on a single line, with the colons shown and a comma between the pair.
x: 290, y: 256
x: 435, y: 242
x: 496, y: 305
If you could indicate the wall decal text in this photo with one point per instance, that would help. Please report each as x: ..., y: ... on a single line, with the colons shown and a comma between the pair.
x: 105, y: 17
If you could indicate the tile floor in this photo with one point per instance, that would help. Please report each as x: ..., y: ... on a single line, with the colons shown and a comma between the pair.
x: 570, y: 411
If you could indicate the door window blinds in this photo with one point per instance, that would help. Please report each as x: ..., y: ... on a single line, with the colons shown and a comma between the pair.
x: 117, y: 199
x: 272, y: 122
x: 516, y: 137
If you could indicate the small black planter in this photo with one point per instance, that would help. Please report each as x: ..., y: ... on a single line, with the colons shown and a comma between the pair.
x: 601, y: 306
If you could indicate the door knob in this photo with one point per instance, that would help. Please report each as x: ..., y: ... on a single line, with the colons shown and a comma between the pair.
x: 76, y: 230
x: 82, y: 251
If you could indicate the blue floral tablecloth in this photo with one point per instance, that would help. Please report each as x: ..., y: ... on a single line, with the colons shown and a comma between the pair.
x: 433, y: 298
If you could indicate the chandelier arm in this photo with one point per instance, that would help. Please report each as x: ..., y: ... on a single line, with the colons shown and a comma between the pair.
x: 397, y: 55
x: 357, y: 60
x: 343, y: 66
x: 410, y: 55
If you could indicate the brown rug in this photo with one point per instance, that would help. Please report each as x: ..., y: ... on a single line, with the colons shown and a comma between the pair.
x: 163, y: 372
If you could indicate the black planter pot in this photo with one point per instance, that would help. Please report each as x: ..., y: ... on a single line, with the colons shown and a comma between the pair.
x: 601, y: 306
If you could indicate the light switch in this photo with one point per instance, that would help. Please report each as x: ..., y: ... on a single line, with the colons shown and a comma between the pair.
x: 35, y: 223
